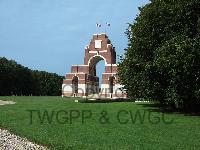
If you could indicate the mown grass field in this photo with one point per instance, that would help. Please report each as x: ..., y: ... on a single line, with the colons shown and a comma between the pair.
x: 118, y: 129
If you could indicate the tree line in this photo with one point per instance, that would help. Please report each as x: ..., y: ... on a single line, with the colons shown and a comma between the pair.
x: 16, y: 79
x: 162, y: 61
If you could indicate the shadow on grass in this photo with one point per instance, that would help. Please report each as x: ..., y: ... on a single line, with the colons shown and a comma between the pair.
x: 105, y: 100
x: 152, y: 106
x: 157, y: 107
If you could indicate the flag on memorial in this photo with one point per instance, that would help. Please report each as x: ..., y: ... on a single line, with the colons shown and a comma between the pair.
x: 108, y: 24
x: 98, y: 25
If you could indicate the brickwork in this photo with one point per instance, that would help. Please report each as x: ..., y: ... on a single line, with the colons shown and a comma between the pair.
x: 100, y: 48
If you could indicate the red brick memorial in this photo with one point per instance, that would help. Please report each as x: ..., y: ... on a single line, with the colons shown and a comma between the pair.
x: 83, y: 81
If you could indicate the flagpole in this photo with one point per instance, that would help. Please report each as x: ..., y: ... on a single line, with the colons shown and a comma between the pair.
x: 107, y: 26
x: 98, y: 26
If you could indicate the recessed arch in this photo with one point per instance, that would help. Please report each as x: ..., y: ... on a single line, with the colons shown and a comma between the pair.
x: 111, y: 84
x: 75, y: 85
x: 75, y: 77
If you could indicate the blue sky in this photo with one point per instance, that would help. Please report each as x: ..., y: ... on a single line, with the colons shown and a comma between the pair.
x: 50, y: 35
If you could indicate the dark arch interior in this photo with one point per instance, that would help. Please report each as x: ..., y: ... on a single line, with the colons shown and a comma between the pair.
x: 75, y: 85
x: 111, y: 83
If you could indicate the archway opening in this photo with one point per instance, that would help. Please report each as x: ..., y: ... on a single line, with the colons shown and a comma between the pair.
x: 97, y: 68
x: 75, y: 86
x: 100, y: 69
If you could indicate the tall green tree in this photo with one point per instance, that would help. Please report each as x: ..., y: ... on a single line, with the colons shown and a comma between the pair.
x: 162, y: 59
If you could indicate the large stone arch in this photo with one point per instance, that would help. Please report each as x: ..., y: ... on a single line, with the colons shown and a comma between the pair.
x: 100, y: 48
x: 93, y: 61
x: 96, y: 59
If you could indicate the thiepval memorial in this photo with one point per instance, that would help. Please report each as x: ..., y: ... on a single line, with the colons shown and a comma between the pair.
x: 83, y: 81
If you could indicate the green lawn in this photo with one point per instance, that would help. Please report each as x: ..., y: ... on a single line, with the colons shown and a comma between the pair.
x: 96, y: 132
